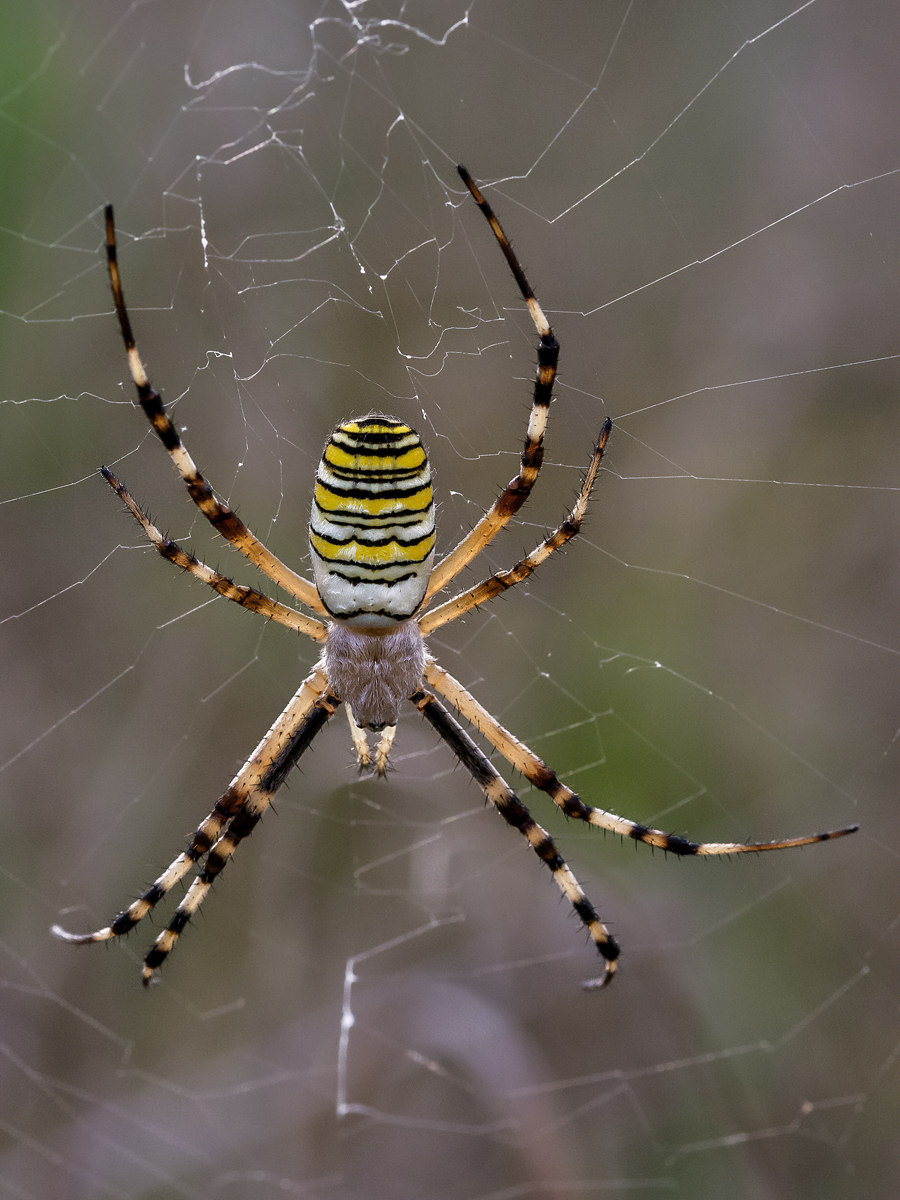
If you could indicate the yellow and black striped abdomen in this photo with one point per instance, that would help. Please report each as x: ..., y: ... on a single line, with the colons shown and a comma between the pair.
x: 371, y: 532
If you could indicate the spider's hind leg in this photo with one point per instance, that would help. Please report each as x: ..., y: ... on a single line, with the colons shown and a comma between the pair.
x: 519, y: 488
x: 221, y: 517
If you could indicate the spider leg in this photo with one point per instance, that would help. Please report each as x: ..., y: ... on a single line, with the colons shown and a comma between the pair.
x: 538, y: 773
x: 500, y: 581
x: 514, y: 812
x: 239, y: 808
x: 221, y: 517
x: 247, y: 597
x: 519, y: 488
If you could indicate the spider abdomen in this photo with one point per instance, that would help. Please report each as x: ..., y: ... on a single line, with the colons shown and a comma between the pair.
x: 371, y: 532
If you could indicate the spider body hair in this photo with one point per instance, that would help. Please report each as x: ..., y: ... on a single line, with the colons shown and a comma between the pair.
x: 374, y: 672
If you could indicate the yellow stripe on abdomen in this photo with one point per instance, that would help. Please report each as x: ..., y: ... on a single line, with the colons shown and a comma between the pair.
x: 372, y: 506
x: 371, y: 532
x: 371, y: 556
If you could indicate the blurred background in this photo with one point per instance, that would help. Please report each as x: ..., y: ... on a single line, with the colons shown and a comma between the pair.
x: 381, y: 997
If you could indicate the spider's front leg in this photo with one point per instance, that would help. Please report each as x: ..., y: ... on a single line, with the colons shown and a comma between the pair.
x: 233, y: 818
x: 536, y: 771
x: 514, y: 812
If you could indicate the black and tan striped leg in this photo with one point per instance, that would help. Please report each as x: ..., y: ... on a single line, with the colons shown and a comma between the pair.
x: 538, y: 773
x: 247, y: 597
x: 501, y: 581
x: 518, y: 489
x: 226, y: 522
x: 271, y: 775
x: 517, y: 815
x: 239, y: 808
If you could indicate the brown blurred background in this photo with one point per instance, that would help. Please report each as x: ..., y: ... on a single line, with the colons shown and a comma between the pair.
x: 706, y: 201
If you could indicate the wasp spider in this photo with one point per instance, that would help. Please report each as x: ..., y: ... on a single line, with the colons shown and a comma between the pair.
x: 371, y: 538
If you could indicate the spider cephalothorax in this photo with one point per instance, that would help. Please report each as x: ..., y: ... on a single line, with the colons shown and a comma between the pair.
x: 372, y: 546
x: 374, y: 672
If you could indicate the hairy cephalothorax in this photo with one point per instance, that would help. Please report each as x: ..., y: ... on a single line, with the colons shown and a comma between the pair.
x: 374, y: 673
x: 372, y: 546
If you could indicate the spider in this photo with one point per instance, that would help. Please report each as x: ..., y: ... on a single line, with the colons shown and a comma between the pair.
x: 371, y: 539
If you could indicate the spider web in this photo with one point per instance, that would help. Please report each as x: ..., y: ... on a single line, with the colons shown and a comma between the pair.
x: 382, y: 998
